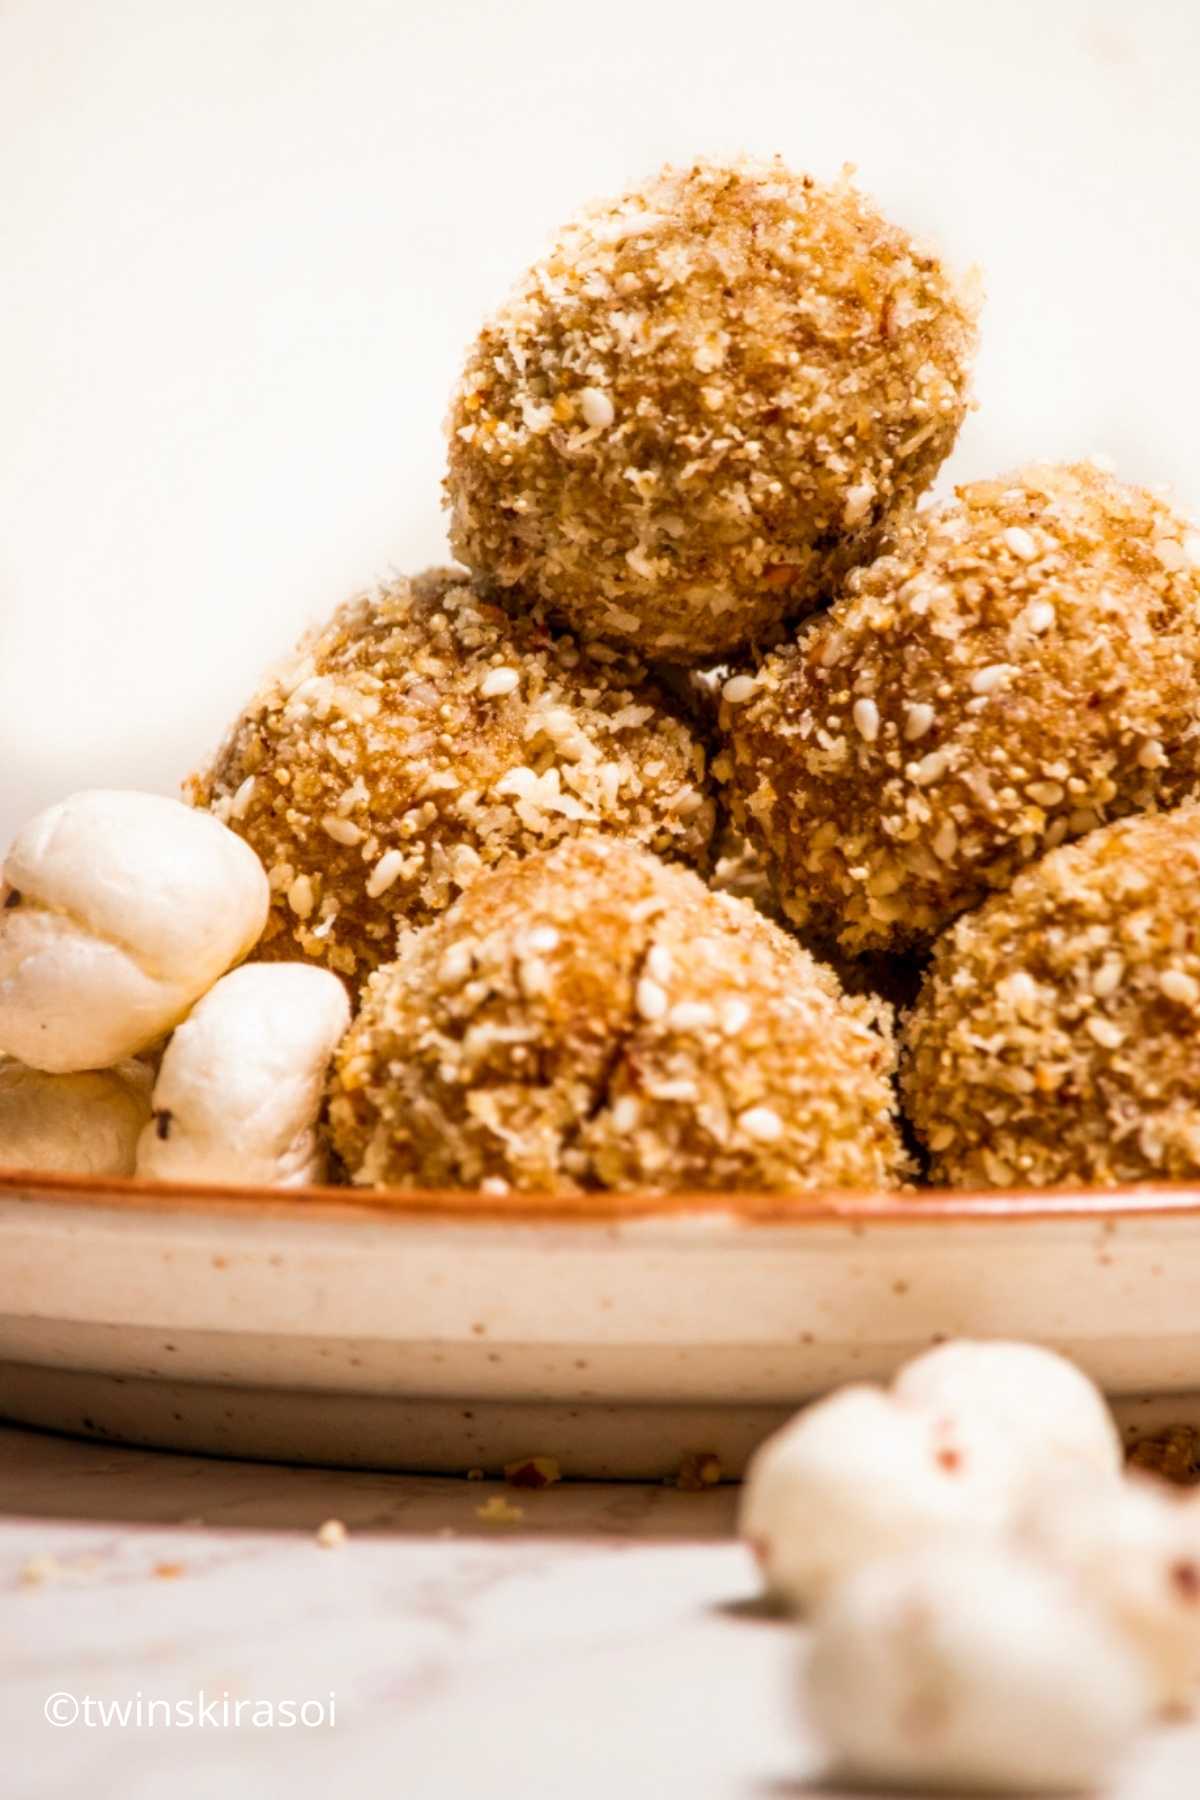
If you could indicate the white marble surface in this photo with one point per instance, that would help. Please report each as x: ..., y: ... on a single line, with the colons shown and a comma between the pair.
x: 607, y: 1644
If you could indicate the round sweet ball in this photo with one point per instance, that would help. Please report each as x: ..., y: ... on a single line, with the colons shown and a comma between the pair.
x: 1056, y: 1036
x: 967, y: 1668
x: 81, y: 1124
x: 591, y: 1017
x: 1022, y: 665
x: 702, y: 406
x: 422, y: 735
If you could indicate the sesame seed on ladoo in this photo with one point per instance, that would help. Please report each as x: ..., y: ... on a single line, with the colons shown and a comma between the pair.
x: 591, y: 1017
x: 422, y: 735
x: 704, y: 405
x: 1021, y: 666
x: 1056, y: 1037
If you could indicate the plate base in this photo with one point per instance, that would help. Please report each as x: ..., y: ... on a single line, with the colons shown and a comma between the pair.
x: 591, y: 1440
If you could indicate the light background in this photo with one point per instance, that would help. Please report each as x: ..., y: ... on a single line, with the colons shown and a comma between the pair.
x: 242, y: 247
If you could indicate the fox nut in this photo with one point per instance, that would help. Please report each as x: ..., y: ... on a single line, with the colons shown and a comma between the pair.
x: 1134, y: 1546
x: 83, y: 1124
x: 239, y: 1092
x: 859, y: 1476
x: 1052, y: 1414
x: 119, y: 909
x: 971, y: 1668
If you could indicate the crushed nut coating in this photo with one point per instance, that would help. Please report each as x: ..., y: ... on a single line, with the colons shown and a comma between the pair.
x: 1046, y: 1045
x: 702, y: 406
x: 1173, y: 1454
x: 420, y: 736
x: 588, y: 1017
x: 1021, y: 666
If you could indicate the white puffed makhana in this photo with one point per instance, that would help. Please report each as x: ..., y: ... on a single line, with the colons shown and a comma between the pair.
x: 1134, y: 1547
x: 120, y: 910
x: 241, y: 1083
x: 972, y: 1669
x: 86, y: 1124
x: 859, y: 1476
x: 1045, y: 1407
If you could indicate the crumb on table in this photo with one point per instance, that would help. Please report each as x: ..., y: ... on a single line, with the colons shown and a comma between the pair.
x: 699, y: 1470
x: 532, y: 1472
x: 499, y: 1511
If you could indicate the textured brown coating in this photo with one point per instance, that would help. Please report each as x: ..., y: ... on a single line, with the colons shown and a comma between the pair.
x: 421, y: 736
x: 1173, y: 1454
x: 592, y: 1017
x: 699, y: 409
x: 1022, y: 665
x: 739, y: 868
x: 1057, y: 1034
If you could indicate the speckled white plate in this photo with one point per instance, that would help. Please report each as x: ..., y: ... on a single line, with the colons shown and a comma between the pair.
x: 616, y: 1332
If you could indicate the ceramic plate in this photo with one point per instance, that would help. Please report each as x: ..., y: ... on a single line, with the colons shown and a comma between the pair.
x: 617, y: 1333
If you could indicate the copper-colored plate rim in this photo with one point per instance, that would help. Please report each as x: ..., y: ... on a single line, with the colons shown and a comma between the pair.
x: 933, y: 1206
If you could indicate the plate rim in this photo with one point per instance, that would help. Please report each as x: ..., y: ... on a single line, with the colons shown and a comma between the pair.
x: 856, y: 1208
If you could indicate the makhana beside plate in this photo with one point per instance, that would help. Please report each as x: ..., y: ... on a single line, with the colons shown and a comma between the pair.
x: 618, y: 1333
